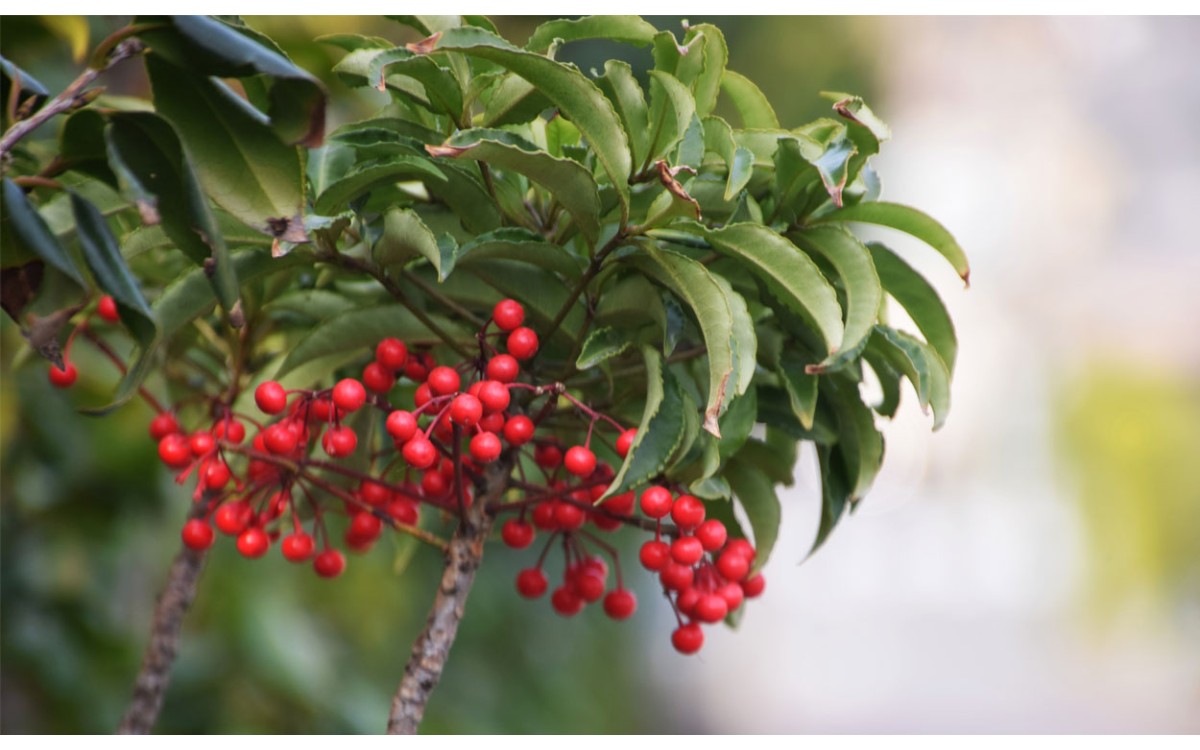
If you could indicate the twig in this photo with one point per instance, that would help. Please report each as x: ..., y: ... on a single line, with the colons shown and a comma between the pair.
x: 592, y: 269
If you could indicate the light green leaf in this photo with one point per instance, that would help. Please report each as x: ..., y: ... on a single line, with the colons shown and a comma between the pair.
x: 465, y: 194
x: 620, y: 86
x: 854, y: 109
x: 919, y: 299
x: 658, y: 434
x: 707, y: 84
x: 671, y: 111
x: 744, y: 340
x: 627, y: 29
x: 750, y: 102
x: 854, y: 268
x: 923, y: 367
x: 736, y: 423
x: 406, y: 237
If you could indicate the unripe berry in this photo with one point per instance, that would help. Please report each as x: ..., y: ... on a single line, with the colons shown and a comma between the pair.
x: 494, y: 396
x: 754, y: 586
x: 580, y: 461
x: 620, y: 604
x: 518, y: 430
x: 687, y: 550
x: 339, y: 441
x: 64, y: 378
x: 566, y: 602
x: 688, y: 512
x: 517, y: 533
x: 443, y: 381
x: 508, y: 314
x: 401, y: 425
x: 197, y: 535
x: 253, y: 543
x: 330, y: 563
x: 378, y: 378
x: 625, y: 441
x: 523, y: 343
x: 297, y: 547
x: 392, y: 354
x: 163, y: 424
x: 712, y: 534
x: 654, y: 555
x: 485, y: 447
x: 688, y: 639
x: 711, y: 608
x: 270, y: 397
x: 733, y: 566
x: 531, y: 583
x: 175, y: 451
x: 107, y: 309
x: 419, y: 452
x: 349, y: 394
x: 466, y: 410
x: 656, y: 501
x: 503, y: 368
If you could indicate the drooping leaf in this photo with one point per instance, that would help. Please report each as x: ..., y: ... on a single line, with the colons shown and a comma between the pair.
x: 737, y: 422
x: 908, y: 220
x: 923, y: 367
x: 628, y: 29
x: 755, y: 492
x: 743, y: 340
x: 919, y: 299
x: 658, y: 434
x: 406, y: 237
x: 835, y: 491
x: 859, y: 440
x: 602, y: 343
x: 854, y: 109
x: 365, y: 177
x: 30, y: 230
x: 889, y: 380
x: 103, y: 257
x: 788, y: 272
x: 751, y: 104
x: 775, y: 459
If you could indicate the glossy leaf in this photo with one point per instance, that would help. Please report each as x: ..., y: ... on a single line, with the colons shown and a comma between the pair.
x: 441, y: 87
x: 660, y: 431
x: 919, y: 299
x: 801, y: 387
x: 406, y: 237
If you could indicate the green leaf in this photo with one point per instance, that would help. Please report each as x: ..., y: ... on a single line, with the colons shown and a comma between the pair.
x: 241, y: 162
x: 621, y: 87
x: 755, y: 492
x: 744, y: 340
x: 577, y: 98
x: 854, y: 268
x: 463, y: 192
x: 923, y: 367
x: 908, y: 220
x: 406, y: 237
x: 790, y: 275
x: 919, y: 299
x: 834, y: 494
x: 889, y: 380
x: 707, y: 85
x: 568, y: 181
x: 81, y: 146
x: 671, y: 111
x: 602, y: 344
x: 755, y: 110
x: 368, y: 176
x: 691, y: 282
x: 776, y: 460
x: 30, y: 87
x: 362, y: 328
x: 736, y: 423
x: 513, y: 100
x: 627, y: 29
x: 515, y: 243
x: 801, y: 387
x: 353, y: 42
x: 739, y: 160
x: 658, y: 434
x: 858, y: 439
x: 30, y: 230
x: 441, y: 87
x: 854, y: 109
x: 206, y: 46
x: 103, y: 257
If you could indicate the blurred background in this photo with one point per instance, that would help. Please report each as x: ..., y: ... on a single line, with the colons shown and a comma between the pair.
x: 1034, y: 566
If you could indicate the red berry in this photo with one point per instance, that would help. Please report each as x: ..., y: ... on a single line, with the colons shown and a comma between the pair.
x: 531, y: 583
x: 233, y: 518
x: 365, y: 527
x: 688, y: 512
x: 677, y: 577
x: 625, y: 441
x: 270, y: 397
x: 522, y: 343
x: 163, y: 424
x: 297, y: 547
x: 63, y: 378
x: 620, y: 604
x: 201, y: 443
x: 733, y: 566
x: 419, y: 452
x: 401, y: 425
x: 378, y: 378
x: 339, y: 441
x: 687, y: 550
x: 253, y: 543
x: 493, y: 422
x: 330, y: 563
x: 434, y: 484
x: 494, y: 396
x: 711, y: 608
x: 392, y: 354
x: 417, y: 369
x: 508, y: 314
x: 107, y: 309
x: 517, y: 533
x: 423, y: 395
x: 568, y: 516
x: 229, y: 429
x: 215, y: 475
x: 280, y: 440
x: 197, y: 535
x: 566, y: 602
x: 655, y: 555
x: 732, y: 594
x: 404, y: 510
x: 503, y: 368
x: 443, y: 381
x: 656, y: 501
x: 620, y: 504
x: 518, y: 430
x: 175, y: 451
x: 373, y: 493
x: 589, y: 586
x: 545, y: 515
x: 485, y: 447
x: 712, y: 534
x: 687, y: 600
x: 580, y: 461
x: 547, y: 456
x: 466, y: 410
x: 754, y: 586
x: 687, y: 639
x: 349, y: 394
x: 320, y: 410
x: 741, y: 547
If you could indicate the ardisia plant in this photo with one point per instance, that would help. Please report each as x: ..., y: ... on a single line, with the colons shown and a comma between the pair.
x: 522, y: 302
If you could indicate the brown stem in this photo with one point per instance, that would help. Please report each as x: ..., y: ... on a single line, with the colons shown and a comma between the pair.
x: 173, y: 602
x: 432, y: 647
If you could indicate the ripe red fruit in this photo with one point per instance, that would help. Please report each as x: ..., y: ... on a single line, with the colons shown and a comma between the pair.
x: 270, y: 397
x: 754, y: 586
x: 494, y: 396
x: 197, y: 535
x: 443, y: 381
x: 253, y: 543
x: 229, y: 429
x: 365, y: 527
x: 517, y: 533
x: 677, y: 577
x: 508, y: 314
x: 518, y: 430
x: 733, y: 566
x: 688, y: 512
x: 330, y: 563
x: 373, y: 493
x: 434, y: 484
x: 175, y: 451
x: 485, y: 447
x: 163, y: 424
x: 687, y: 550
x: 741, y: 547
x: 63, y: 378
x: 545, y: 515
x: 493, y: 422
x: 401, y: 425
x: 566, y: 602
x: 531, y: 583
x: 656, y: 501
x: 620, y: 504
x: 712, y: 534
x: 107, y: 309
x: 404, y: 510
x: 378, y: 378
x: 687, y: 639
x: 620, y: 604
x: 625, y: 441
x: 419, y: 452
x: 339, y: 441
x: 201, y: 442
x: 732, y: 594
x: 297, y: 547
x: 523, y: 343
x: 320, y: 410
x: 280, y: 439
x: 503, y: 368
x: 423, y: 395
x: 655, y: 555
x: 466, y: 410
x: 568, y: 516
x: 580, y: 461
x: 392, y: 354
x: 687, y: 600
x: 589, y: 585
x: 215, y: 474
x: 547, y: 456
x: 233, y: 518
x: 711, y: 608
x: 349, y: 394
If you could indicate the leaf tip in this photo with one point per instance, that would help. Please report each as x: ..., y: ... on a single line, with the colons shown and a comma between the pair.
x: 425, y: 46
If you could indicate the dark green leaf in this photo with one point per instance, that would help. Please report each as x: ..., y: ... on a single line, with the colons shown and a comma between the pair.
x: 737, y: 422
x: 755, y: 492
x: 514, y: 243
x: 30, y: 230
x: 441, y: 87
x: 368, y: 176
x: 620, y: 86
x: 602, y: 344
x: 406, y: 237
x: 671, y: 112
x: 776, y: 462
x: 30, y: 88
x: 910, y: 221
x: 659, y: 432
x: 801, y: 388
x: 858, y: 439
x: 835, y: 491
x: 919, y: 299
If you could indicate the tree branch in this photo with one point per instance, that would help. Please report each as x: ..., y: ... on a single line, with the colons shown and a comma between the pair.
x: 173, y: 602
x: 432, y: 647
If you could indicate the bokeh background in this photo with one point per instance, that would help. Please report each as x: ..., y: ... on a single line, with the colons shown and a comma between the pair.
x: 1032, y: 567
